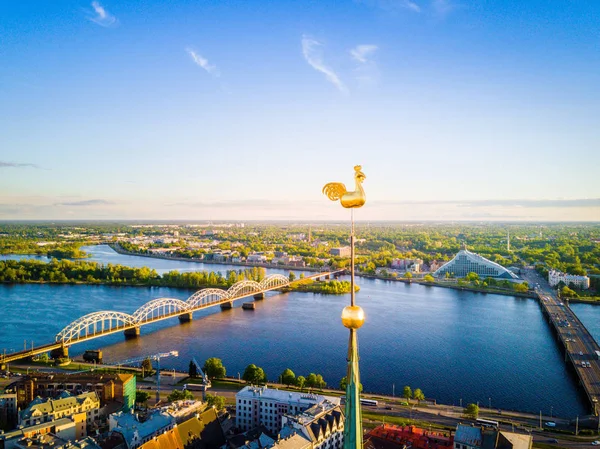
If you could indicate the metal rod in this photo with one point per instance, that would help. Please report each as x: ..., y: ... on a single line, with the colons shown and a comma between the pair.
x: 352, y: 257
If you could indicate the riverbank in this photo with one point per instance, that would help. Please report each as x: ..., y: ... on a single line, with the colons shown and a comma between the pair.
x: 469, y: 288
x: 117, y: 248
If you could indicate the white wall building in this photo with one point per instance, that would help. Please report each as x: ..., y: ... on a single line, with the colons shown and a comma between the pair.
x: 580, y: 282
x: 322, y: 425
x: 266, y: 406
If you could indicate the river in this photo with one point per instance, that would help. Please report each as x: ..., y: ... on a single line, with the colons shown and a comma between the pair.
x: 452, y: 344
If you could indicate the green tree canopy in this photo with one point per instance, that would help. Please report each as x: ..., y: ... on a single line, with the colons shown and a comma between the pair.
x: 472, y: 276
x: 214, y: 369
x: 254, y: 375
x: 311, y: 381
x: 192, y: 370
x: 288, y: 377
x: 472, y: 410
x: 300, y: 381
x: 408, y: 275
x: 418, y: 395
x: 141, y: 396
x: 407, y: 392
x: 429, y: 278
x: 178, y: 395
x: 215, y: 401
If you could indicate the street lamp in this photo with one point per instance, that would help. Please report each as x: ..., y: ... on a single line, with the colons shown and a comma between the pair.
x: 550, y: 411
x: 489, y: 403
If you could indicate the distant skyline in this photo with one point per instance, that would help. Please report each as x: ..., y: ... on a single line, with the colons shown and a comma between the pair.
x: 457, y: 110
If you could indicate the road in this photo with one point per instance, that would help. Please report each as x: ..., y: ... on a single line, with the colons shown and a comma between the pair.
x: 580, y: 345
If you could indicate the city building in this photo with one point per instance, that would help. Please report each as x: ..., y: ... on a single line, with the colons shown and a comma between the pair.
x: 204, y: 427
x: 413, y: 265
x: 256, y: 258
x: 579, y: 282
x: 167, y: 440
x: 64, y: 428
x: 136, y: 431
x: 322, y: 425
x: 389, y: 436
x: 44, y: 410
x: 109, y: 387
x: 257, y: 406
x: 9, y: 410
x: 342, y: 251
x: 470, y: 437
x: 466, y: 262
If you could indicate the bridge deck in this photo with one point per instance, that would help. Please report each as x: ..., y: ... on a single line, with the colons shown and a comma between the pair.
x: 579, y: 344
x: 8, y: 358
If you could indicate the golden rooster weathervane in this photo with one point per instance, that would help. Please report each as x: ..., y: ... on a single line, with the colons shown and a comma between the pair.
x: 353, y: 316
x: 337, y: 191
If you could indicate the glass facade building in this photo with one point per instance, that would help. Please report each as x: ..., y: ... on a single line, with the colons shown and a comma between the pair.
x: 466, y: 262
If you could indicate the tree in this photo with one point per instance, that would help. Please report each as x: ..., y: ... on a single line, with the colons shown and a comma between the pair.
x: 300, y: 381
x: 288, y: 377
x: 472, y: 410
x: 566, y: 292
x: 214, y: 369
x: 311, y: 380
x: 408, y: 275
x: 146, y: 366
x: 254, y: 374
x: 472, y: 277
x: 193, y: 371
x: 429, y: 278
x: 292, y: 277
x: 320, y: 382
x: 344, y: 384
x: 215, y: 401
x: 407, y: 393
x: 141, y: 397
x: 178, y: 395
x: 418, y: 395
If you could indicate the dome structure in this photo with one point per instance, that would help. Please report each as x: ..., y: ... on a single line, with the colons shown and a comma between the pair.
x: 466, y: 262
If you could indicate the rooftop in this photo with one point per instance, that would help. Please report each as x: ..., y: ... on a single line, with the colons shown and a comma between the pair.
x: 276, y: 395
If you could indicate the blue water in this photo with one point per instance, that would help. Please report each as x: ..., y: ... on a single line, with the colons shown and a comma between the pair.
x: 452, y: 344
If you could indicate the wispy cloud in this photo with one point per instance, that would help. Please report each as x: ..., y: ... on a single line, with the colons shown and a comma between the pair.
x: 442, y: 7
x: 101, y: 16
x: 313, y: 54
x: 86, y: 203
x: 203, y: 62
x: 4, y: 164
x: 361, y: 53
x: 392, y: 5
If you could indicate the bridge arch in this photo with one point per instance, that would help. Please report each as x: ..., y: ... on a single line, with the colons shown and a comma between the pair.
x: 274, y: 280
x: 206, y: 297
x: 242, y: 288
x: 158, y: 308
x: 95, y: 324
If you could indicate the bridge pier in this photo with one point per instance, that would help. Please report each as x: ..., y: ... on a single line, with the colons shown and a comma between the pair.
x: 185, y: 318
x: 60, y: 353
x: 259, y: 296
x: 134, y: 332
x: 227, y: 305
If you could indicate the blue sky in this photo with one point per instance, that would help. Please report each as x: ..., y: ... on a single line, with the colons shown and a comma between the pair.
x: 456, y: 109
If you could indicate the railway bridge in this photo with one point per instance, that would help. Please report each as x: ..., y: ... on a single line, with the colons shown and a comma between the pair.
x: 106, y: 322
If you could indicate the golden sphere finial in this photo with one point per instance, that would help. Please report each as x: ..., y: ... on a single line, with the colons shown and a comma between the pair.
x: 353, y: 317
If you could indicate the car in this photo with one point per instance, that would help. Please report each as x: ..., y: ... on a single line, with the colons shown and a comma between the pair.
x: 550, y: 424
x: 388, y: 408
x: 552, y: 440
x: 580, y: 352
x: 596, y: 443
x: 404, y: 403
